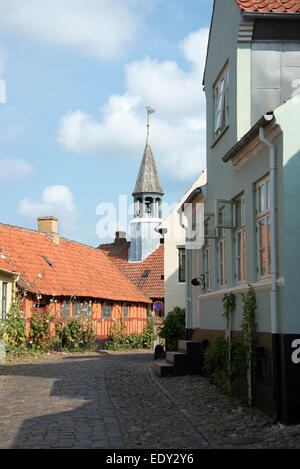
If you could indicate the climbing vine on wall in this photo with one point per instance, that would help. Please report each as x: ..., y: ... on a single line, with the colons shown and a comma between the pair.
x: 228, y: 361
x: 229, y: 308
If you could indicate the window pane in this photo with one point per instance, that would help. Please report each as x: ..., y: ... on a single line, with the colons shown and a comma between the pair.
x: 238, y: 213
x: 77, y: 308
x: 244, y: 255
x: 239, y: 256
x: 106, y: 312
x: 261, y: 198
x: 243, y: 211
x: 221, y: 263
x: 268, y: 195
x: 269, y: 244
x: 181, y: 266
x: 125, y: 311
x: 262, y: 247
x: 66, y: 309
x: 4, y: 301
x: 87, y: 308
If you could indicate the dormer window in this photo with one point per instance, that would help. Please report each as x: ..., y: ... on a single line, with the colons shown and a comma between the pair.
x: 221, y: 103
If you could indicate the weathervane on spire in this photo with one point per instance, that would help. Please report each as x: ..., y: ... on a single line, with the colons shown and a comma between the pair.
x: 149, y: 111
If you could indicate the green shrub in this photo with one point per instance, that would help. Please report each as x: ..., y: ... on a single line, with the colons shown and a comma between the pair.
x: 225, y: 365
x: 120, y: 340
x: 173, y: 328
x: 74, y: 334
x: 40, y: 334
x: 13, y: 329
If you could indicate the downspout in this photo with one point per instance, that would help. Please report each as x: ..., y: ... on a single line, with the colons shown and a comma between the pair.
x: 188, y: 318
x: 273, y: 217
x: 274, y: 263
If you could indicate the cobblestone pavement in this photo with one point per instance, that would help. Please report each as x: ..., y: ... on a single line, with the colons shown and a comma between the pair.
x: 113, y: 400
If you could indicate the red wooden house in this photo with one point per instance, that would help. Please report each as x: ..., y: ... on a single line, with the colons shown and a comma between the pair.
x: 71, y: 277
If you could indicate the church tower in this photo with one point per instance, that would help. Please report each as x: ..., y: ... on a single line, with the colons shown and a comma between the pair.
x: 147, y: 196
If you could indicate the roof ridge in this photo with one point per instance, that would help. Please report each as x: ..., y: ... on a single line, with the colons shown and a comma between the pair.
x: 31, y: 230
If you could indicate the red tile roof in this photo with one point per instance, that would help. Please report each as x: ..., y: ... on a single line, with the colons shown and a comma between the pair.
x: 153, y: 284
x: 5, y: 264
x: 270, y: 6
x: 75, y: 270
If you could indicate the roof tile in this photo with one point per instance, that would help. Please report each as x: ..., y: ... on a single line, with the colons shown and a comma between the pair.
x: 153, y: 284
x: 77, y: 270
x: 270, y: 6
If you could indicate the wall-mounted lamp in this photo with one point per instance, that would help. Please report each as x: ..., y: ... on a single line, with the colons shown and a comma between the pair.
x: 196, y: 282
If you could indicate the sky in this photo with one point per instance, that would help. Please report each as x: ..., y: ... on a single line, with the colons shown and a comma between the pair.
x: 76, y: 77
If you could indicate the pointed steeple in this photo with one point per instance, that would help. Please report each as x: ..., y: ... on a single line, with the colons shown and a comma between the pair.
x: 147, y: 196
x: 148, y: 180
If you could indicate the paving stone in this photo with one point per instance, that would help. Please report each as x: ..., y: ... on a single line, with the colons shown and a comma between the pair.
x: 113, y: 400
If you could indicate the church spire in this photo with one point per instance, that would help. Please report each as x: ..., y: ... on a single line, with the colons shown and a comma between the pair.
x: 148, y: 180
x: 147, y: 196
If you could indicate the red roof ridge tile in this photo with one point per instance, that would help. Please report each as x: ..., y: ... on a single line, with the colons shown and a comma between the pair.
x: 270, y: 6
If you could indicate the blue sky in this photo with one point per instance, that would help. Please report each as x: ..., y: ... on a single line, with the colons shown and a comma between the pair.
x: 79, y: 75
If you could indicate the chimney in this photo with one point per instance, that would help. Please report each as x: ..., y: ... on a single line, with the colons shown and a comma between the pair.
x: 48, y: 225
x: 120, y: 237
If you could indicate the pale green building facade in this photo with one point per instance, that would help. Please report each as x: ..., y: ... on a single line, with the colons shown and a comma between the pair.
x: 252, y: 196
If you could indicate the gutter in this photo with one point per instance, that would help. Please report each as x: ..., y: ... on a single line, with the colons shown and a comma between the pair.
x: 248, y: 137
x: 191, y: 197
x: 10, y: 272
x: 275, y: 16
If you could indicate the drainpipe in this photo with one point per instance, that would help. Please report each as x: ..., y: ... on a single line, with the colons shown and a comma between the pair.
x: 273, y: 216
x: 274, y: 264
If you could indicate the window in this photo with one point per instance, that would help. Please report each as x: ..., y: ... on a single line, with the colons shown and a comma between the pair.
x: 77, y: 308
x: 206, y: 256
x: 125, y: 311
x: 181, y: 265
x: 221, y: 102
x: 240, y: 239
x: 106, y: 311
x: 221, y: 250
x: 87, y: 309
x: 4, y: 301
x: 65, y: 309
x: 263, y: 227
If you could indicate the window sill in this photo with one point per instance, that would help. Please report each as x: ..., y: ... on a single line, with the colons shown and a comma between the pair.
x: 219, y: 136
x: 241, y: 282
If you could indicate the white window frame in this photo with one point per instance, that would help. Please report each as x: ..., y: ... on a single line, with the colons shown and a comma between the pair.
x: 221, y: 103
x: 240, y: 246
x: 207, y: 257
x: 263, y: 217
x: 4, y: 298
x: 222, y: 280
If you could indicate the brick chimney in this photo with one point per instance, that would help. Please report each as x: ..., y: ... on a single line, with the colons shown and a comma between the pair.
x: 48, y: 225
x: 120, y: 237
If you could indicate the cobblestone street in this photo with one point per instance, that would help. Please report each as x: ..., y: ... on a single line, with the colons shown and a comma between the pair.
x: 113, y: 400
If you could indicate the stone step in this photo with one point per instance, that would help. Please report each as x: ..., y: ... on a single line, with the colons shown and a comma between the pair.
x: 189, y: 346
x: 162, y: 368
x: 176, y: 357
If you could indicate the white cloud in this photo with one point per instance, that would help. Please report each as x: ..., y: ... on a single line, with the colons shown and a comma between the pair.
x: 57, y: 201
x: 98, y: 28
x: 3, y: 59
x: 12, y: 169
x: 178, y: 128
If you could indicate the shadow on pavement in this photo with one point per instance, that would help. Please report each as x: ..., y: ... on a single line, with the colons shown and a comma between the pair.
x: 81, y: 414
